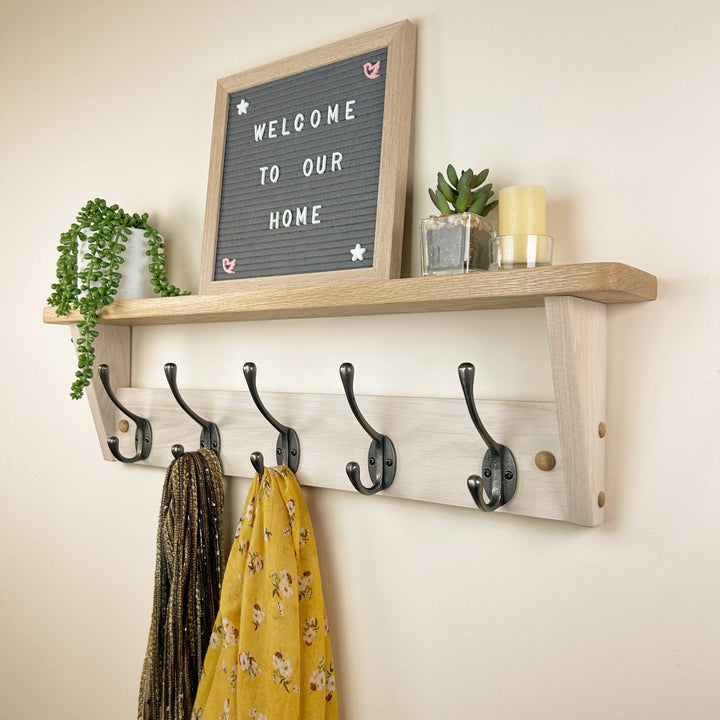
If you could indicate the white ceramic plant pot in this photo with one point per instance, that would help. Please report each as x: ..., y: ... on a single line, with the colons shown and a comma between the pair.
x: 135, y: 282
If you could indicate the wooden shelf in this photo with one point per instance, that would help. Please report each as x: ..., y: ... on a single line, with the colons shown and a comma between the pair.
x: 574, y: 298
x: 605, y: 282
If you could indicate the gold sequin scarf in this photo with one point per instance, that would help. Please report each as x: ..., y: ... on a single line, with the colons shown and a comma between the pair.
x: 188, y: 580
x: 270, y: 656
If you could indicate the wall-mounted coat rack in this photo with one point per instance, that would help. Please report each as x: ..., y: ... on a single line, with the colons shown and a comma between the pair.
x: 557, y: 447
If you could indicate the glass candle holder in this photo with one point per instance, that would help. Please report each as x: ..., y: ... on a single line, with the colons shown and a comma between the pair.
x: 520, y: 251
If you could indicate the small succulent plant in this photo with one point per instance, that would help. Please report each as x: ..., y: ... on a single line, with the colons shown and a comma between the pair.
x: 463, y: 193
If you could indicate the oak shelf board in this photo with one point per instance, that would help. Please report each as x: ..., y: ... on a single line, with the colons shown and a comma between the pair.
x: 606, y: 282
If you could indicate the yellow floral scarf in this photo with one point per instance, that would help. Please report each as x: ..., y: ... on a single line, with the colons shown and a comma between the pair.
x: 269, y: 656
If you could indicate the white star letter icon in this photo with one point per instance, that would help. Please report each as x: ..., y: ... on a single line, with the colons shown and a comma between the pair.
x: 357, y: 252
x: 243, y: 106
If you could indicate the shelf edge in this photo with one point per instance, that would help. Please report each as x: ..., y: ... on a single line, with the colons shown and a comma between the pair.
x: 608, y: 283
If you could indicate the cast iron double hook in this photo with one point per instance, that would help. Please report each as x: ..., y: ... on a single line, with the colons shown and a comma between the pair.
x: 381, y: 455
x: 143, y: 429
x: 499, y: 473
x: 209, y: 435
x: 288, y: 444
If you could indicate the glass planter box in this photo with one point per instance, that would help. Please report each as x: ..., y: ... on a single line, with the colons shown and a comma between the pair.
x: 458, y: 243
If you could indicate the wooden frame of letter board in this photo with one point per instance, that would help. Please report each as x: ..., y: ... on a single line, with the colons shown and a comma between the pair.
x: 400, y: 39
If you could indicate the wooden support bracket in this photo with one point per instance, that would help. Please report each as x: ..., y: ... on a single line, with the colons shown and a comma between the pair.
x: 112, y: 346
x: 577, y: 335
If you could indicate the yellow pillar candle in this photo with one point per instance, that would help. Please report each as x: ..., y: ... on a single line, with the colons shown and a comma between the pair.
x: 521, y: 210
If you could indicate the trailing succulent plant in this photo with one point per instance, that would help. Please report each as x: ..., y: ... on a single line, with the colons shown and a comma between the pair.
x: 104, y: 230
x: 463, y: 193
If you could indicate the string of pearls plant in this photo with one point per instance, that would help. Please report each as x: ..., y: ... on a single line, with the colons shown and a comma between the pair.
x: 102, y: 231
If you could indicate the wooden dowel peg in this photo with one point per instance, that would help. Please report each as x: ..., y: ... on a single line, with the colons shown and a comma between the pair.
x: 545, y: 460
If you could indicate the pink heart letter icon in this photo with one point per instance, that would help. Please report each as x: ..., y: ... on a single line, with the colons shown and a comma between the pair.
x: 371, y: 70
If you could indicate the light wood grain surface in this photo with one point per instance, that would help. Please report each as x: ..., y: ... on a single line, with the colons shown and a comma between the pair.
x: 112, y: 346
x: 601, y: 282
x: 576, y: 334
x: 436, y: 443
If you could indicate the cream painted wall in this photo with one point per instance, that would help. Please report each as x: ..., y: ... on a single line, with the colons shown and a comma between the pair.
x: 436, y: 611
